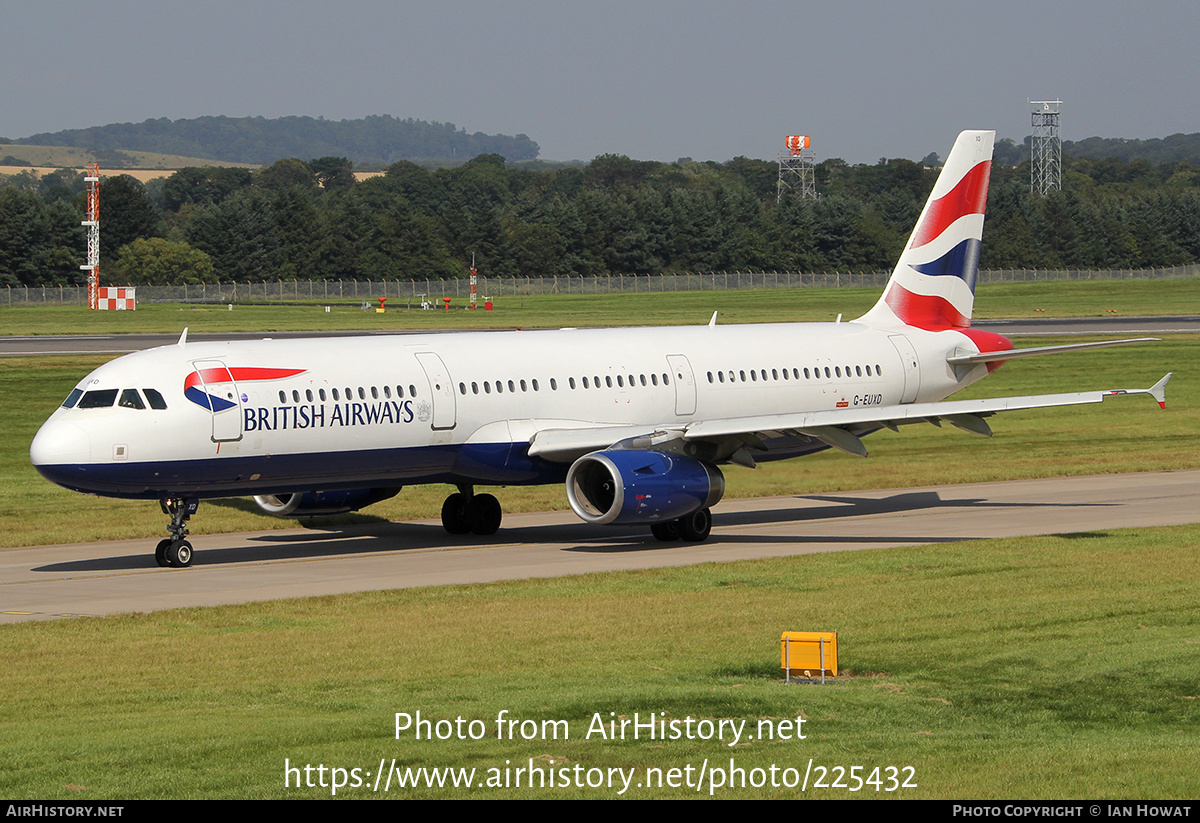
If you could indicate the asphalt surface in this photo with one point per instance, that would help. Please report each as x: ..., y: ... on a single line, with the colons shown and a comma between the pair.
x: 124, y: 343
x: 106, y: 578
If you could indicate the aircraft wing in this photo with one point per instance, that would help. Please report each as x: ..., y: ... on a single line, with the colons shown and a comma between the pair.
x: 831, y: 426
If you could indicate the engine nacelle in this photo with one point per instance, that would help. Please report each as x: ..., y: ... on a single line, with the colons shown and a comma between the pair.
x: 635, y: 487
x: 304, y: 504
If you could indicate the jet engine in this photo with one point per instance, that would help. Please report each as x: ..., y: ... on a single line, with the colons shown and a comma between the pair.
x: 637, y: 487
x: 304, y: 504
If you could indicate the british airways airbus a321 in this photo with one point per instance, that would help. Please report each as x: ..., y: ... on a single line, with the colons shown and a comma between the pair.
x: 634, y: 421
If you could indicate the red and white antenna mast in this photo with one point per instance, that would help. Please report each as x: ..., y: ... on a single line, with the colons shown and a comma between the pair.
x: 93, y: 233
x: 473, y: 281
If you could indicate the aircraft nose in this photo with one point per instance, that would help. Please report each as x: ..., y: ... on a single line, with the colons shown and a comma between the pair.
x: 59, y: 442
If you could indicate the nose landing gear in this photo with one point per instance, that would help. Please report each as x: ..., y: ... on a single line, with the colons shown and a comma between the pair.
x: 175, y: 551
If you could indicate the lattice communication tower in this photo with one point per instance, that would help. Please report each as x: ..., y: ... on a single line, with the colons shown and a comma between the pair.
x: 93, y: 234
x: 1045, y: 149
x: 796, y: 169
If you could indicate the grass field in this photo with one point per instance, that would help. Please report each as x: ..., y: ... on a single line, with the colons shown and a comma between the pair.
x: 69, y: 157
x: 1054, y: 667
x: 1059, y: 299
x: 1050, y: 667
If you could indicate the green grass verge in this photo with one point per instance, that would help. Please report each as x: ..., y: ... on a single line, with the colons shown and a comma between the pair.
x: 1052, y: 667
x: 1058, y: 299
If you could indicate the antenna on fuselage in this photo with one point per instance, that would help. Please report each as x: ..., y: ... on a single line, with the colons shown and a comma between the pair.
x: 713, y: 320
x: 182, y: 337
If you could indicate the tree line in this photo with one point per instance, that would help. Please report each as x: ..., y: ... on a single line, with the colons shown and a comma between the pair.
x: 314, y: 220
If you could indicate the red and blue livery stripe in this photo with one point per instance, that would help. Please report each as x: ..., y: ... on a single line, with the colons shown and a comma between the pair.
x: 195, y: 383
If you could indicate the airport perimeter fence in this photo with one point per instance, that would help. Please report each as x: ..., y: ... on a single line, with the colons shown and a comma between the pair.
x: 414, y: 292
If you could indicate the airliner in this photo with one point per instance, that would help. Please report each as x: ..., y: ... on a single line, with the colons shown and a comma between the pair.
x: 635, y: 422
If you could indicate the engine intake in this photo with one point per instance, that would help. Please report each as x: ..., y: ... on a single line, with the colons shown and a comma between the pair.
x: 641, y: 487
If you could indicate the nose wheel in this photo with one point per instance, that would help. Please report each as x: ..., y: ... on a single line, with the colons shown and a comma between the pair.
x: 175, y: 551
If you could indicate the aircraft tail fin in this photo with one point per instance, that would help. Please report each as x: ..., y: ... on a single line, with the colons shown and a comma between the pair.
x: 933, y: 284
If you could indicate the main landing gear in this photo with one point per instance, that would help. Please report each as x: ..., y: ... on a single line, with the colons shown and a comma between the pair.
x: 464, y: 511
x: 175, y: 550
x: 692, y: 527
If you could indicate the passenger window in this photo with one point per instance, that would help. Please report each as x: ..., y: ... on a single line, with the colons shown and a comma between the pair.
x: 154, y: 399
x: 412, y: 390
x: 72, y: 398
x: 130, y: 399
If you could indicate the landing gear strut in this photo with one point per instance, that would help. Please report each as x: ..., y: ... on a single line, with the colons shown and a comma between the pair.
x: 175, y: 550
x: 464, y: 511
x: 693, y: 527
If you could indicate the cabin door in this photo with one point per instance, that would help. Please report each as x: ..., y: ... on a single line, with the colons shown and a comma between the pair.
x: 441, y: 390
x: 223, y: 399
x: 911, y: 364
x: 685, y: 384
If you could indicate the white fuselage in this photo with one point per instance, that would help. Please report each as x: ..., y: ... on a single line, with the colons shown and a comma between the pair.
x: 273, y: 416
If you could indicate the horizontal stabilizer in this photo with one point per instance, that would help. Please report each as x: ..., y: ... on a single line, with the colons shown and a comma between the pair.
x: 1011, y: 354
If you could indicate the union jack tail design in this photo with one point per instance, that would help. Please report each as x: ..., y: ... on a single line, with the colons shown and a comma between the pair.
x: 933, y: 284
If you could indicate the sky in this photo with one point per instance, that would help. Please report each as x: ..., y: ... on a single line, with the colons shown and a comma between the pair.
x: 653, y: 79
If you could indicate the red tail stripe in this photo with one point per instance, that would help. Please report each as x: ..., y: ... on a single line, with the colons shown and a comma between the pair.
x: 968, y: 197
x: 925, y: 311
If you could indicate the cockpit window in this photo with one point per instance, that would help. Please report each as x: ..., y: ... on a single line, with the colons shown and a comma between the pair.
x: 98, y: 399
x: 154, y: 399
x: 130, y: 399
x: 72, y: 398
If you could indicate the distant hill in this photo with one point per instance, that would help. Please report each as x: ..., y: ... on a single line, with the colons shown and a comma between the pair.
x: 378, y: 139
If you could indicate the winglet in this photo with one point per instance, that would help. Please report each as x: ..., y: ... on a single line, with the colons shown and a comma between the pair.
x: 1159, y: 391
x: 182, y: 338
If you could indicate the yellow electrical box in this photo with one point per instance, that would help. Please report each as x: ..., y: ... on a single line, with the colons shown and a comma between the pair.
x: 811, y: 652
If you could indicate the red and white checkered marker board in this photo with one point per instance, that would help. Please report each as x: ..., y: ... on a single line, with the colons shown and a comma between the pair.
x: 114, y: 298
